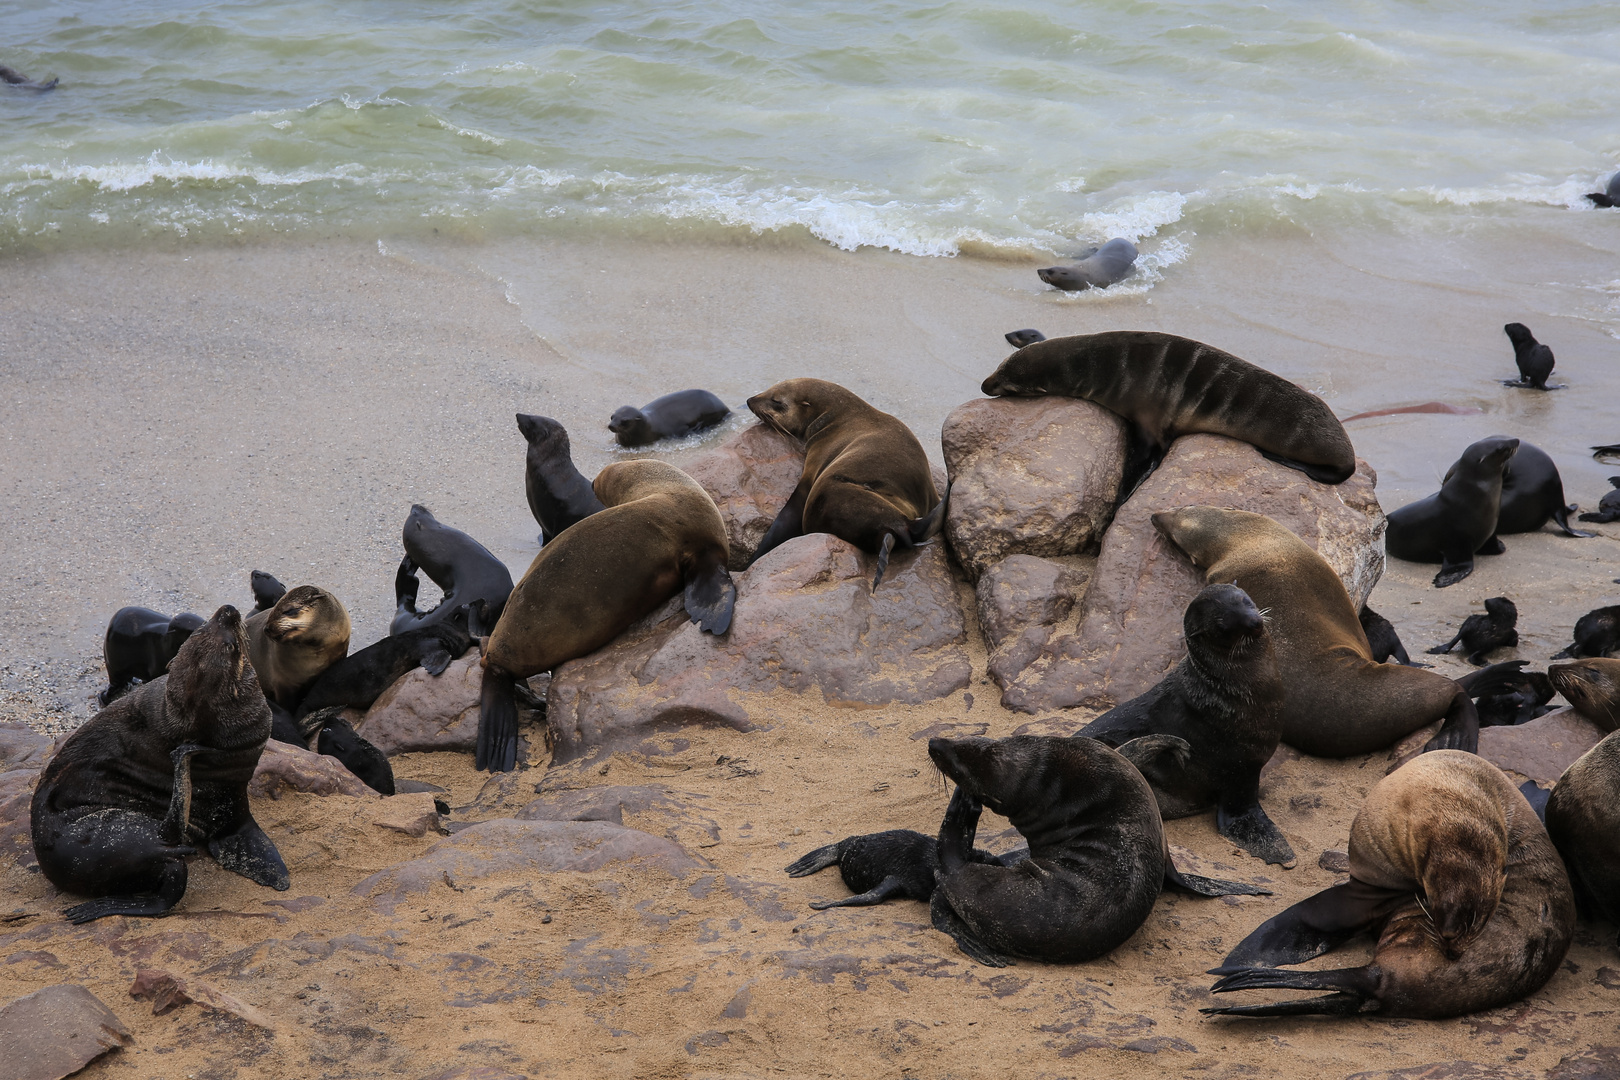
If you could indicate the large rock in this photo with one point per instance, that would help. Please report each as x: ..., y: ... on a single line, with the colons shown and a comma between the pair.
x: 21, y: 747
x: 57, y: 1031
x: 750, y: 477
x: 1543, y: 748
x: 427, y: 712
x: 16, y: 799
x: 652, y: 808
x: 1021, y: 599
x: 285, y: 767
x: 807, y: 619
x: 1130, y: 635
x: 1031, y: 476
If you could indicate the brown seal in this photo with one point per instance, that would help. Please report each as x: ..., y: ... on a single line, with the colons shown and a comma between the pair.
x: 1336, y: 700
x: 303, y: 634
x: 866, y: 479
x: 1592, y: 686
x: 1583, y: 819
x: 1453, y: 871
x: 659, y: 531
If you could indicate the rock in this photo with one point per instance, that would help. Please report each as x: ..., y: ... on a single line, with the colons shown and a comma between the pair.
x: 1130, y: 635
x: 1021, y: 598
x: 522, y: 848
x: 1594, y: 1063
x: 412, y: 815
x: 427, y: 712
x: 16, y: 799
x: 1543, y: 748
x: 749, y: 477
x: 1334, y: 862
x: 284, y: 767
x: 652, y: 808
x: 166, y: 992
x: 1031, y: 476
x: 806, y: 619
x: 21, y: 747
x: 1448, y: 1070
x: 57, y: 1031
x: 478, y: 1072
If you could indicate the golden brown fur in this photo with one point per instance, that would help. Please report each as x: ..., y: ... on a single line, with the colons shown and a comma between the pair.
x: 1593, y: 687
x: 306, y: 632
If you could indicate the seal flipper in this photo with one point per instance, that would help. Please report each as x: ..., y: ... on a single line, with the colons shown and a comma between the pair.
x: 176, y: 821
x: 927, y: 527
x: 249, y: 852
x: 946, y: 921
x: 789, y: 523
x: 1143, y: 453
x: 1250, y: 829
x: 433, y: 656
x: 1461, y: 728
x: 1357, y: 991
x: 1561, y: 517
x: 1453, y: 572
x: 171, y: 887
x: 1207, y: 886
x: 816, y: 861
x: 1147, y: 749
x: 1019, y: 338
x: 406, y: 585
x: 883, y: 559
x: 497, y: 722
x: 710, y: 593
x: 1492, y: 546
x: 1312, y: 926
x: 1441, y: 650
x: 880, y: 892
x: 1322, y: 474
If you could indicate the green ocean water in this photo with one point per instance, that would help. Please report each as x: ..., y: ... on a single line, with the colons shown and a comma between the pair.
x: 931, y: 129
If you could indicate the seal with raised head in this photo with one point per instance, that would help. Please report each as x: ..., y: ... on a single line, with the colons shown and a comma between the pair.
x: 1337, y: 701
x: 1592, y: 686
x: 558, y: 492
x: 659, y: 534
x: 1609, y: 196
x: 1382, y: 639
x: 266, y: 590
x: 1583, y: 820
x: 1608, y: 506
x: 1452, y: 870
x: 1100, y: 268
x: 1534, y: 360
x: 1532, y: 493
x: 1459, y: 521
x: 162, y: 771
x: 1480, y: 634
x: 1167, y: 386
x: 866, y: 479
x: 1597, y: 633
x: 1223, y: 702
x: 668, y: 417
x: 139, y: 644
x: 303, y: 634
x: 458, y: 564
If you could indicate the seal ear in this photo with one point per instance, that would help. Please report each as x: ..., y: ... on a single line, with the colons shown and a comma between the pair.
x: 710, y: 593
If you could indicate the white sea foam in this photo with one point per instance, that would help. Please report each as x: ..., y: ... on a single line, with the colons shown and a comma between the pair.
x: 123, y: 176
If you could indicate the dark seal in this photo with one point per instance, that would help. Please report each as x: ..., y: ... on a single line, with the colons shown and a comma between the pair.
x: 1382, y: 640
x: 896, y: 864
x: 458, y: 564
x: 1583, y: 820
x: 16, y: 79
x: 157, y: 774
x: 559, y: 494
x: 1505, y: 694
x: 1532, y: 493
x: 1100, y: 268
x: 359, y: 679
x: 1480, y: 634
x: 139, y: 644
x: 1608, y: 506
x: 1597, y: 633
x: 669, y: 417
x: 1019, y: 338
x: 266, y: 590
x: 1534, y: 360
x: 1452, y: 525
x: 1609, y: 196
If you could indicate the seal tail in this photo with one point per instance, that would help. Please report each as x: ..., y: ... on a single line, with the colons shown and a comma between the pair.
x: 816, y: 861
x: 883, y: 559
x: 497, y: 722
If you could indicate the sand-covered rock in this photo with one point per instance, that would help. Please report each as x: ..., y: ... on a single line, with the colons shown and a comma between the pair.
x: 750, y: 477
x: 168, y: 991
x: 1541, y: 749
x: 1020, y: 600
x: 56, y: 1031
x: 806, y: 620
x: 16, y: 796
x: 284, y: 767
x: 1032, y: 476
x: 675, y: 815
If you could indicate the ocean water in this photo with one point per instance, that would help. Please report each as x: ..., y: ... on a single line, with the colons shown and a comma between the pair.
x: 968, y: 127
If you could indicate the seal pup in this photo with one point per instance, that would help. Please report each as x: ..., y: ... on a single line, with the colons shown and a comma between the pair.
x: 1225, y: 701
x: 12, y: 77
x: 162, y: 771
x: 1608, y: 506
x: 1592, y: 686
x: 1610, y: 196
x: 139, y: 644
x: 1337, y: 701
x: 1100, y: 268
x: 303, y: 634
x: 1019, y: 338
x: 458, y: 564
x: 1532, y: 493
x: 898, y: 863
x: 558, y: 493
x: 1452, y: 871
x: 1504, y: 694
x: 1452, y: 525
x: 668, y: 417
x: 866, y: 479
x: 659, y: 534
x: 1535, y: 360
x: 1382, y: 639
x: 359, y: 679
x: 1480, y: 634
x: 1167, y: 386
x: 1583, y: 820
x: 1597, y: 633
x: 266, y: 590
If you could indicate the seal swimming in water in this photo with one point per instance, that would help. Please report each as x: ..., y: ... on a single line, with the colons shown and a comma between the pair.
x: 1583, y: 820
x: 1167, y: 386
x: 1610, y: 196
x: 1382, y: 640
x: 1100, y: 268
x: 1452, y: 525
x: 558, y: 493
x: 161, y: 771
x: 266, y: 590
x: 1225, y: 701
x: 458, y: 564
x: 1452, y: 870
x: 139, y: 644
x: 1609, y: 506
x: 12, y: 77
x: 303, y: 634
x: 1336, y: 700
x: 1534, y: 360
x: 1592, y: 686
x: 1019, y: 338
x: 1532, y: 493
x: 1480, y: 634
x: 660, y: 532
x: 1597, y: 633
x: 668, y: 417
x: 866, y: 479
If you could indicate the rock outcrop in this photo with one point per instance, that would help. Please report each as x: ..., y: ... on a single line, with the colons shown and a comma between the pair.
x: 285, y: 767
x: 57, y: 1031
x: 1022, y: 599
x: 427, y: 712
x: 749, y: 476
x: 1541, y: 749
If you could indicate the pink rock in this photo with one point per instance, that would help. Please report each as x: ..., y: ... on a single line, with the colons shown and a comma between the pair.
x: 284, y: 767
x: 750, y: 477
x: 167, y: 991
x: 1032, y: 476
x: 21, y: 747
x: 427, y: 712
x: 1543, y: 748
x: 1021, y: 598
x: 57, y: 1031
x: 412, y: 814
x: 16, y: 799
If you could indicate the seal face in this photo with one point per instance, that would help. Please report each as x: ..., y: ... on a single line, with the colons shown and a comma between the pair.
x: 559, y: 495
x: 1450, y: 526
x: 1597, y: 633
x: 1452, y: 870
x: 469, y: 574
x: 266, y: 590
x: 1019, y: 338
x: 139, y: 644
x: 303, y: 634
x: 1534, y: 360
x: 1167, y: 386
x: 1336, y: 700
x: 161, y: 771
x: 1592, y: 686
x: 1532, y: 493
x: 1583, y: 820
x: 668, y: 417
x: 1105, y: 266
x: 1480, y: 634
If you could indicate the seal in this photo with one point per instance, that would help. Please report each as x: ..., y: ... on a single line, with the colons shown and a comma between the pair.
x: 1583, y: 820
x: 1597, y: 633
x: 1223, y: 704
x: 659, y: 533
x: 898, y: 863
x: 359, y: 679
x: 1592, y: 686
x: 266, y: 590
x: 559, y: 494
x: 1096, y: 861
x: 1610, y: 196
x: 162, y: 771
x: 1452, y: 871
x: 1480, y: 634
x: 1608, y: 506
x: 139, y: 644
x: 1337, y: 701
x: 1534, y: 360
x: 1019, y: 338
x: 303, y: 634
x: 668, y: 417
x: 866, y: 479
x: 1100, y: 268
x: 1505, y: 695
x: 1167, y: 386
x: 1382, y: 640
x: 325, y: 731
x: 1611, y: 450
x: 456, y: 563
x: 12, y: 77
x: 1452, y: 525
x: 1532, y: 493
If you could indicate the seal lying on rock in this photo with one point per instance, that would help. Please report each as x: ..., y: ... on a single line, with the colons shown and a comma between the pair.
x: 139, y: 644
x: 1225, y: 701
x: 120, y: 806
x: 1597, y: 633
x: 866, y: 479
x: 1583, y: 820
x: 558, y: 493
x: 1532, y: 493
x: 1336, y: 700
x: 660, y: 532
x: 1452, y: 525
x: 1608, y: 506
x: 1167, y: 386
x: 1102, y: 267
x: 668, y: 417
x: 458, y: 564
x: 1480, y: 634
x: 1592, y: 686
x: 1453, y: 871
x: 303, y: 634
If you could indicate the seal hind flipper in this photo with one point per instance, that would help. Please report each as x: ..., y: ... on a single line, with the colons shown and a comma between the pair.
x: 406, y: 584
x: 434, y: 656
x: 1611, y: 450
x: 1148, y: 748
x: 1322, y: 474
x: 946, y: 921
x: 1312, y: 927
x: 928, y: 526
x: 880, y: 892
x: 883, y: 559
x: 788, y: 523
x: 1254, y: 832
x: 249, y: 852
x: 710, y: 595
x: 1199, y: 885
x: 1357, y: 992
x: 171, y: 887
x: 1561, y: 517
x: 816, y: 861
x: 497, y: 722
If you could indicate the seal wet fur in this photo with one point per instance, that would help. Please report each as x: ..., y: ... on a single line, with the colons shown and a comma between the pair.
x: 1453, y: 873
x: 895, y: 864
x: 1452, y: 525
x: 1480, y: 634
x: 139, y: 644
x: 1167, y: 386
x: 668, y: 417
x: 162, y: 771
x: 303, y: 634
x: 17, y: 80
x: 558, y: 492
x: 266, y: 590
x: 1337, y: 701
x: 866, y: 479
x: 659, y: 533
x: 1532, y: 493
x: 1504, y: 694
x: 1225, y: 701
x: 1583, y: 820
x: 1382, y: 639
x: 1608, y: 506
x: 458, y: 564
x: 1610, y: 196
x: 1592, y: 687
x: 1534, y: 360
x: 1098, y: 269
x: 1597, y: 633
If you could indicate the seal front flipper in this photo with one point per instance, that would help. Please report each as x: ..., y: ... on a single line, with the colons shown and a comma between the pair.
x: 434, y: 657
x: 1357, y: 991
x: 1461, y: 728
x: 946, y: 921
x: 889, y: 886
x: 1322, y: 474
x: 789, y: 523
x: 1492, y: 546
x: 711, y: 595
x: 1205, y: 886
x: 406, y: 584
x: 1250, y: 829
x: 1453, y: 572
x: 176, y: 820
x: 249, y: 852
x: 1143, y: 452
x: 1312, y: 927
x: 497, y: 721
